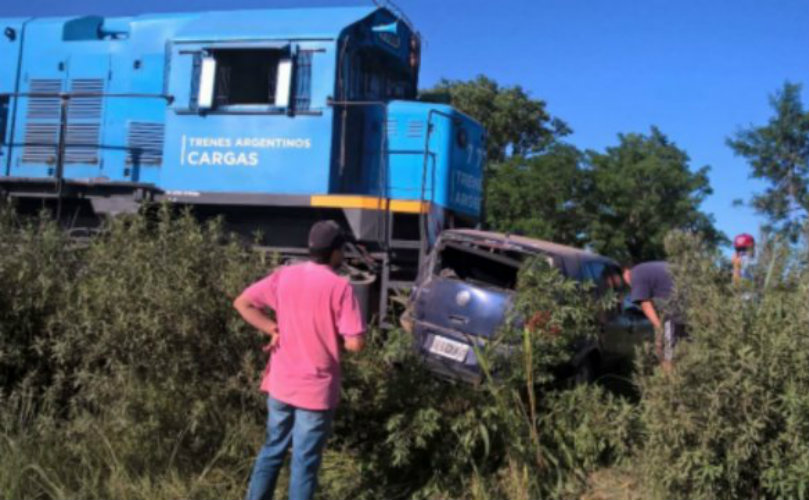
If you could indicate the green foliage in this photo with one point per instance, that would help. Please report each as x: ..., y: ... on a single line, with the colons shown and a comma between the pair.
x: 516, y: 124
x: 732, y: 420
x: 557, y: 313
x: 518, y: 435
x: 407, y: 431
x: 540, y: 196
x: 150, y: 316
x: 124, y: 358
x: 641, y: 190
x: 36, y: 270
x: 554, y: 437
x: 46, y: 457
x: 143, y: 384
x: 779, y: 154
x: 128, y: 375
x: 621, y: 202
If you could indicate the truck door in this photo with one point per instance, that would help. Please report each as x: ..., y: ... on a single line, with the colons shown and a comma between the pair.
x: 618, y: 337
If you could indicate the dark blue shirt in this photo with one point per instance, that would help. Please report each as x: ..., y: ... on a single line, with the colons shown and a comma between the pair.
x: 651, y: 281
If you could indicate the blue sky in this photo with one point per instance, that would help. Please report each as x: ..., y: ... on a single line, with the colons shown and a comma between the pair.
x: 698, y: 70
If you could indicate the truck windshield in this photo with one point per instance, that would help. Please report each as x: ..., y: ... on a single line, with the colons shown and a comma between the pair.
x: 475, y: 264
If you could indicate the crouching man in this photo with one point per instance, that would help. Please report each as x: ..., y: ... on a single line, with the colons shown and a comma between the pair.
x: 318, y: 316
x: 652, y: 288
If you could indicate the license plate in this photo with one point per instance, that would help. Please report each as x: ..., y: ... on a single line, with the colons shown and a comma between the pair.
x: 449, y: 348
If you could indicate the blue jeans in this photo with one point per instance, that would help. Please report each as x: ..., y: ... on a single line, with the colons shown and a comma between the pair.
x: 307, y: 431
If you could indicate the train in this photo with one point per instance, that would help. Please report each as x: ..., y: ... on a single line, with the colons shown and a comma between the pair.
x: 270, y: 118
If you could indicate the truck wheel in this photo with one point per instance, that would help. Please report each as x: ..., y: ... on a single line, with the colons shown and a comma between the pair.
x: 584, y: 372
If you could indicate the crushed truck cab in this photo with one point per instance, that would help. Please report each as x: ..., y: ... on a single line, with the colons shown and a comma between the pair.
x: 465, y: 295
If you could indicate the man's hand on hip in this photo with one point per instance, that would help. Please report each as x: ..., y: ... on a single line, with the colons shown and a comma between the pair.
x: 273, y: 343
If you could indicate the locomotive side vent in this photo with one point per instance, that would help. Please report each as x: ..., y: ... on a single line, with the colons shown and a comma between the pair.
x: 81, y: 143
x: 415, y: 128
x: 145, y: 143
x: 40, y: 143
x: 86, y: 108
x: 84, y: 122
x: 44, y: 108
x: 42, y: 122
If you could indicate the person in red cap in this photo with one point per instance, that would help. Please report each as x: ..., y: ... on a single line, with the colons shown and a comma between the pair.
x: 317, y: 318
x: 745, y: 251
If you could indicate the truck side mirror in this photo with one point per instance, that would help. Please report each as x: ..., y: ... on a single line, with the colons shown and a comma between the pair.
x: 283, y: 83
x: 207, y: 83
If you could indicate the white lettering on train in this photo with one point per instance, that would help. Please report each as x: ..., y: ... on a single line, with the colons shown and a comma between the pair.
x: 467, y: 190
x: 238, y: 152
x: 198, y: 158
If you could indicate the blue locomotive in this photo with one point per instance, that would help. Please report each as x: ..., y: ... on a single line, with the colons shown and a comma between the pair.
x: 274, y: 118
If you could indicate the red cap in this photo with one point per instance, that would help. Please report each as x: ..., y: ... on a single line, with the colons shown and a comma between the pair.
x: 743, y: 240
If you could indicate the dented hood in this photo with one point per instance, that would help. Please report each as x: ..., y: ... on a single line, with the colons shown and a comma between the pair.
x: 463, y: 307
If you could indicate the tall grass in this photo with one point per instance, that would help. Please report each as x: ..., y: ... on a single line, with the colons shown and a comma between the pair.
x: 124, y: 373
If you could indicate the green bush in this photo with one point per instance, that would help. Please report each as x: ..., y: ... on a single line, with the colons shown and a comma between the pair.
x: 732, y: 420
x: 36, y: 268
x: 151, y: 330
x: 125, y: 373
x: 519, y: 435
x: 553, y: 438
x: 128, y: 375
x: 124, y: 356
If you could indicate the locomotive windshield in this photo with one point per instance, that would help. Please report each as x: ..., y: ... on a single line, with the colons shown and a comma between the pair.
x: 376, y: 76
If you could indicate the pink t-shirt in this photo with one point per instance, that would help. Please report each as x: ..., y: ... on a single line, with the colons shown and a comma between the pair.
x: 313, y: 305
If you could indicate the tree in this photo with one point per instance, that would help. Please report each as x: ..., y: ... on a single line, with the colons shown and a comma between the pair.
x: 639, y: 191
x: 779, y: 153
x: 540, y: 196
x: 516, y: 124
x: 620, y: 203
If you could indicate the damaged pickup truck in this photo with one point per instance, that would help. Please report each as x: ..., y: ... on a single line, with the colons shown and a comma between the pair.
x: 465, y: 292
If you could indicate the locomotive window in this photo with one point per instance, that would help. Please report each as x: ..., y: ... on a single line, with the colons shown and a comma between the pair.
x: 246, y: 76
x: 375, y: 76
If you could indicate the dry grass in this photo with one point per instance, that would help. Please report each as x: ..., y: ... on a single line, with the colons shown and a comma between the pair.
x: 615, y: 483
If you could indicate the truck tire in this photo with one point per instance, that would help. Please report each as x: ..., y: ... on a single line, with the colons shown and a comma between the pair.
x: 585, y: 372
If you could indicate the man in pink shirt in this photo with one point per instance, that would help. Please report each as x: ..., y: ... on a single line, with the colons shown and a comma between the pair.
x: 317, y: 317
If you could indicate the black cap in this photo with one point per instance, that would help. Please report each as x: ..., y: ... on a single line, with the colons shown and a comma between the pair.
x: 326, y: 235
